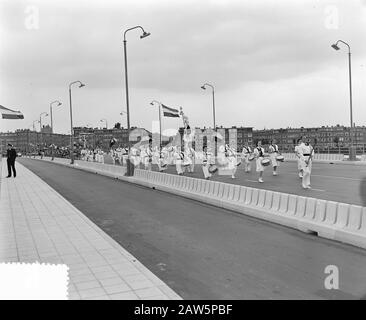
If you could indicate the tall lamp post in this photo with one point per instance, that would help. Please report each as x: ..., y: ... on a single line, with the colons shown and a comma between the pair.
x: 34, y: 127
x: 35, y: 131
x: 352, y: 151
x: 159, y: 108
x: 106, y: 123
x: 40, y: 124
x: 51, y: 105
x: 121, y: 114
x: 71, y: 125
x: 144, y: 34
x: 213, y: 110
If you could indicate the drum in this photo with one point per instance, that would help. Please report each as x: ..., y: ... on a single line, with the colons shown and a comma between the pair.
x: 186, y: 162
x: 213, y: 168
x: 266, y: 162
x: 251, y: 157
x: 280, y: 158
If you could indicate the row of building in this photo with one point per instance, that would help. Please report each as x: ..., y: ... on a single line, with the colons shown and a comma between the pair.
x: 326, y: 138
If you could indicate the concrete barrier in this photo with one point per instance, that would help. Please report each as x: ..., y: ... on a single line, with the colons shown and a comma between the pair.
x: 329, y: 219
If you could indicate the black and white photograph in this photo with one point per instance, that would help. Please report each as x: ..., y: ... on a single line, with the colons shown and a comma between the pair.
x: 197, y: 152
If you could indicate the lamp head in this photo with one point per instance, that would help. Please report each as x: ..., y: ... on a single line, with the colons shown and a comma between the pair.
x: 145, y: 34
x: 81, y: 85
x: 203, y: 87
x: 59, y: 103
x: 335, y: 47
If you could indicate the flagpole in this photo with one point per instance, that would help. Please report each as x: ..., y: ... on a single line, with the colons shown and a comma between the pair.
x: 159, y: 106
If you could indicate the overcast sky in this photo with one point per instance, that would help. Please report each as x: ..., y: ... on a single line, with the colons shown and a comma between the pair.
x: 271, y: 61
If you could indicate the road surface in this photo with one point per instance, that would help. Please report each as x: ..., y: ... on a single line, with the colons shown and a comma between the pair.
x: 204, y: 252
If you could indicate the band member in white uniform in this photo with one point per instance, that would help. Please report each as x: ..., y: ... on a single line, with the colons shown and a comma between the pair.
x: 232, y: 161
x: 273, y: 153
x: 179, y: 156
x: 149, y: 155
x: 299, y: 142
x: 162, y: 160
x: 206, y: 163
x: 259, y: 156
x: 306, y: 152
x: 245, y: 156
x: 192, y: 155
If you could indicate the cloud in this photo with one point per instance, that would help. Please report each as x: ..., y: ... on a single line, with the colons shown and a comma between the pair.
x: 241, y: 47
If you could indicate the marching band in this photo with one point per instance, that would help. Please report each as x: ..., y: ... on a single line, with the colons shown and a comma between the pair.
x: 185, y: 159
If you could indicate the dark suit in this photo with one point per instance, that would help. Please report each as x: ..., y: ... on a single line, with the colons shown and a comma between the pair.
x: 11, y: 156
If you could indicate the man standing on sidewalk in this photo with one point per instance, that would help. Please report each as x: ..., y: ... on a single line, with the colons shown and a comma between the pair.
x: 11, y: 155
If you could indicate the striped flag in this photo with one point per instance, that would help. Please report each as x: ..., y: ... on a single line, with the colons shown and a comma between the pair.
x: 170, y: 112
x: 10, y: 114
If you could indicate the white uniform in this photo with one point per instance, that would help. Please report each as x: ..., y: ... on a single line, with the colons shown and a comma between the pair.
x: 232, y: 161
x: 179, y: 156
x: 245, y: 156
x: 298, y: 157
x: 258, y: 153
x: 206, y: 165
x: 148, y: 158
x: 162, y: 160
x: 306, y: 163
x: 101, y: 156
x: 192, y: 155
x: 273, y: 153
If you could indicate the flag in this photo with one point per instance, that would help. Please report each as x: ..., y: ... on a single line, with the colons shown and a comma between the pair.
x: 10, y: 114
x: 170, y: 112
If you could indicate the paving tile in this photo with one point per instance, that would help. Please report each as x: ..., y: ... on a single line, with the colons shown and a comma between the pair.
x: 87, y: 285
x: 124, y: 296
x: 148, y: 292
x: 117, y: 288
x: 89, y: 293
x: 141, y: 284
x: 111, y: 281
x: 83, y: 278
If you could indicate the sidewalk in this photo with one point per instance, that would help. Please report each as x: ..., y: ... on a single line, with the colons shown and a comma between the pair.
x: 38, y: 224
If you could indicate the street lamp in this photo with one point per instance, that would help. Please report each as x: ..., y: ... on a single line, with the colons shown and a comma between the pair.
x: 40, y: 124
x: 34, y: 127
x: 144, y: 35
x: 106, y: 123
x: 352, y: 153
x: 40, y: 119
x: 122, y: 113
x: 51, y: 105
x: 72, y: 129
x: 213, y: 109
x: 159, y: 108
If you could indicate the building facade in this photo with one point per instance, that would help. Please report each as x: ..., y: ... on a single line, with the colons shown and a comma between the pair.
x: 92, y: 138
x: 325, y: 138
x: 29, y: 141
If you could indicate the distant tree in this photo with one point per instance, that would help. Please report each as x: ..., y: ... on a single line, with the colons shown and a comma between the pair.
x: 117, y: 125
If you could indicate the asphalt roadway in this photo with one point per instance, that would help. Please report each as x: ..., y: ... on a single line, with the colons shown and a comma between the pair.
x: 336, y: 182
x: 204, y: 252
